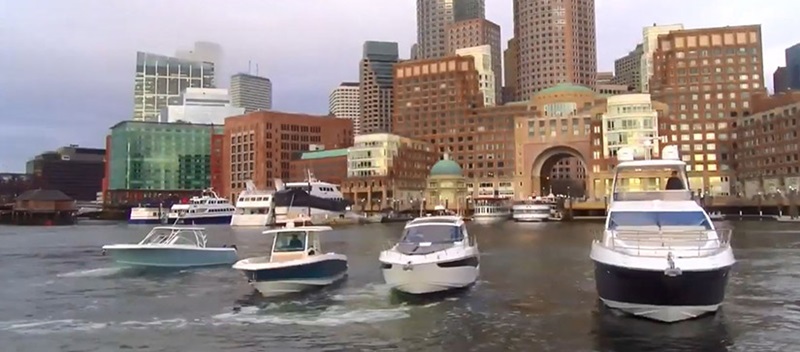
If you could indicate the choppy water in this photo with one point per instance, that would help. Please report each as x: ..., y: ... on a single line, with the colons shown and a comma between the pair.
x: 58, y: 293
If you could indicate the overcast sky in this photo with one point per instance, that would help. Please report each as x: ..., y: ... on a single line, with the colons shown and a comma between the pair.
x: 67, y: 66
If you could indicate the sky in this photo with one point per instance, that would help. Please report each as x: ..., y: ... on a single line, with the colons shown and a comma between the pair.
x: 67, y: 66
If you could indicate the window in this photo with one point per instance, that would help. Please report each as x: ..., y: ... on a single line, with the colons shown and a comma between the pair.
x: 661, y: 219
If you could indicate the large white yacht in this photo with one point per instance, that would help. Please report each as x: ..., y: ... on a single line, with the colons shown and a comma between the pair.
x: 310, y: 198
x: 488, y: 209
x: 435, y: 254
x: 534, y: 209
x: 253, y: 207
x: 660, y: 256
x: 206, y: 209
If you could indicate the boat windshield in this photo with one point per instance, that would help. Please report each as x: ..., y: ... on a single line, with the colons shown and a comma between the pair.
x: 433, y: 234
x: 660, y: 218
x: 664, y: 182
x: 173, y: 236
x: 290, y: 241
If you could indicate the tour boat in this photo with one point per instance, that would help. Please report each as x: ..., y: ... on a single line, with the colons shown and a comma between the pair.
x: 435, y: 254
x: 171, y: 247
x: 296, y: 263
x: 209, y: 208
x: 308, y: 198
x: 489, y: 209
x: 533, y: 210
x: 148, y: 214
x: 253, y: 207
x: 660, y: 256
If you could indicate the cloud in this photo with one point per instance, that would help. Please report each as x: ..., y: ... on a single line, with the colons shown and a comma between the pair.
x: 68, y: 66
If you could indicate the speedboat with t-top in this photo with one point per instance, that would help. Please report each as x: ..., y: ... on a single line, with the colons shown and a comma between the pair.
x: 296, y: 263
x: 660, y: 255
x: 435, y: 254
x: 172, y: 247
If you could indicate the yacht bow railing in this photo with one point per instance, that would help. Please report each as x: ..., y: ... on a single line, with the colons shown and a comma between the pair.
x: 458, y: 246
x: 653, y: 243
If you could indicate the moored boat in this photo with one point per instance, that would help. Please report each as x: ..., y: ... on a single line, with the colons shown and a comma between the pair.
x: 206, y: 209
x: 296, y: 263
x: 171, y: 247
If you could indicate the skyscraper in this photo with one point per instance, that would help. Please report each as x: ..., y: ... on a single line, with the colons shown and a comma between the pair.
x: 160, y: 80
x: 433, y: 17
x: 344, y: 103
x: 562, y: 48
x: 204, y: 52
x: 376, y: 76
x: 253, y: 93
x: 478, y: 32
x: 627, y: 70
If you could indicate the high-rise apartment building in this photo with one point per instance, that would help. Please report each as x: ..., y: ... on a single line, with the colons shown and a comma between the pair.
x: 160, y: 80
x: 344, y: 103
x: 474, y: 33
x: 251, y: 92
x: 560, y: 47
x: 627, y: 70
x: 486, y: 76
x: 707, y: 78
x: 433, y: 17
x: 376, y: 72
x: 649, y: 46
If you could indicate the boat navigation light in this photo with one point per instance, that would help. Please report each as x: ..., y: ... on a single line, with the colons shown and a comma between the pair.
x: 670, y: 152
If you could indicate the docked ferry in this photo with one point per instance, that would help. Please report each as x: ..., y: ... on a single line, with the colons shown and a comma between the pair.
x: 209, y: 208
x: 310, y: 198
x: 534, y: 210
x: 491, y: 208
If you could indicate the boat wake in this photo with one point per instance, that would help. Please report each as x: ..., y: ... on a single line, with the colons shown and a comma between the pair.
x: 98, y: 272
x: 331, y: 316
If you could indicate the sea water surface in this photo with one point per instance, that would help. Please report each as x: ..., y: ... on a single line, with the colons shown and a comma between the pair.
x: 536, y: 293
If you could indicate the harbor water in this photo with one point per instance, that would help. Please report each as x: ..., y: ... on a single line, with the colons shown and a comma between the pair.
x: 536, y: 293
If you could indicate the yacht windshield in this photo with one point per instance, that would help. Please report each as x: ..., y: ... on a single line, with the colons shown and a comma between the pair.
x: 432, y: 234
x: 661, y: 219
x: 290, y: 241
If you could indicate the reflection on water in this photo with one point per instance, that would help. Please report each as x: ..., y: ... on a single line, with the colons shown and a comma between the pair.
x: 536, y: 293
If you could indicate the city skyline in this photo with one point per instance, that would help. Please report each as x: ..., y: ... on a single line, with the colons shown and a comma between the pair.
x: 57, y: 43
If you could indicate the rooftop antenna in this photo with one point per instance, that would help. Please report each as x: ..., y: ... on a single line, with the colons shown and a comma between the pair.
x: 249, y: 66
x: 256, y: 69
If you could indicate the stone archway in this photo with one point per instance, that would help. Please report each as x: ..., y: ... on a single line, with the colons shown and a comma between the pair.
x: 544, y: 162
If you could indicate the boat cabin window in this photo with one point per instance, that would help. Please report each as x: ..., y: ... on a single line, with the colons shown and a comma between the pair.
x: 664, y: 182
x: 290, y: 241
x: 433, y: 234
x: 660, y: 219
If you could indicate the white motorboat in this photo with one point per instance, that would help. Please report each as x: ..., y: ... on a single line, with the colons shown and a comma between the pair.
x: 533, y: 210
x: 171, y: 247
x: 206, y: 209
x: 660, y: 256
x: 435, y: 254
x: 148, y: 214
x: 254, y: 207
x: 489, y: 209
x: 296, y: 263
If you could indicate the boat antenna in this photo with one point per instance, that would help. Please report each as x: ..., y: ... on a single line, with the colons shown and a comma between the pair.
x: 308, y: 171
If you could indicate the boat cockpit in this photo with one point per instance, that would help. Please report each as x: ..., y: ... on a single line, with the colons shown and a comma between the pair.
x: 425, y: 237
x: 187, y: 236
x: 296, y: 242
x: 647, y: 180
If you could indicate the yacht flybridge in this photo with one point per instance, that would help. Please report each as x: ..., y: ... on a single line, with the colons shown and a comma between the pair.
x: 660, y: 255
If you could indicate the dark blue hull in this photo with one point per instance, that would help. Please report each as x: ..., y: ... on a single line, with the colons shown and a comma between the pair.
x: 209, y: 220
x: 145, y: 222
x: 321, y: 270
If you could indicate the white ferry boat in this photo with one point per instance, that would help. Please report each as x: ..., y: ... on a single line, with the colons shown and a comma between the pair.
x: 148, y: 214
x: 533, y: 210
x: 206, y: 209
x: 491, y: 209
x: 254, y: 207
x: 310, y: 198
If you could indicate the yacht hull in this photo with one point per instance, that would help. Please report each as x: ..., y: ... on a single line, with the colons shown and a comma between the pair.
x: 275, y: 279
x: 655, y: 295
x: 251, y: 220
x: 166, y: 257
x: 426, y: 278
x: 201, y: 220
x: 150, y: 221
x: 531, y: 217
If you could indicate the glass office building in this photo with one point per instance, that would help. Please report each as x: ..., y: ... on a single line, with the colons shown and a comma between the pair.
x: 160, y: 156
x: 160, y: 80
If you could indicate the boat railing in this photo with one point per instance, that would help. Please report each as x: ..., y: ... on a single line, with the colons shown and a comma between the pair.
x: 655, y: 242
x: 389, y: 245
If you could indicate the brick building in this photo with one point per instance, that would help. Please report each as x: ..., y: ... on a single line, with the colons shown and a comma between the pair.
x: 707, y: 77
x: 767, y: 146
x: 260, y: 146
x: 477, y: 32
x: 326, y: 165
x: 439, y: 101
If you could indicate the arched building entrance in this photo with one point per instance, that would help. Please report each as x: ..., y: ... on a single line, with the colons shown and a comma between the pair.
x: 560, y: 170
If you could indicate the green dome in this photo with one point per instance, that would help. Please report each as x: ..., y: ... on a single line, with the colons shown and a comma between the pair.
x: 446, y: 167
x: 566, y: 88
